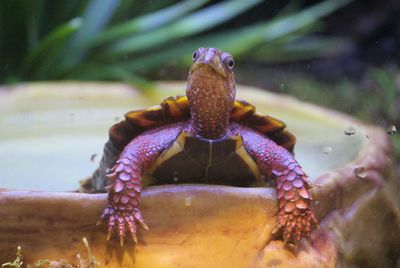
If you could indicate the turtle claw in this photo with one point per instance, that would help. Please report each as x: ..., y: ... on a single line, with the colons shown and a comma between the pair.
x: 142, y: 223
x: 134, y: 238
x: 275, y: 231
x: 109, y: 235
x: 123, y: 221
x: 144, y: 226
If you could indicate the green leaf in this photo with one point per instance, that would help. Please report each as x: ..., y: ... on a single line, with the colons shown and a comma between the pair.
x: 150, y: 40
x: 189, y: 25
x: 147, y: 22
x: 49, y: 47
x: 396, y: 142
x: 95, y: 18
x: 35, y: 10
x: 101, y: 72
x: 294, y: 50
x: 241, y: 40
x: 388, y: 89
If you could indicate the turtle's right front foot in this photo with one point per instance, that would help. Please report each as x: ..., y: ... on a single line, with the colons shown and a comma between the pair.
x: 122, y: 212
x: 122, y: 220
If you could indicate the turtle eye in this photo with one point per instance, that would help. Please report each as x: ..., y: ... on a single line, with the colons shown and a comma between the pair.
x: 194, y: 56
x: 229, y: 63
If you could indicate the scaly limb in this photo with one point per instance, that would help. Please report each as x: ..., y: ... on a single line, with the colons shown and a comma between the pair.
x: 295, y: 219
x: 122, y: 211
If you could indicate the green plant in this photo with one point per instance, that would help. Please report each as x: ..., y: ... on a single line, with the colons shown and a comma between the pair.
x: 118, y: 40
x: 89, y: 262
x: 375, y: 98
x: 17, y: 263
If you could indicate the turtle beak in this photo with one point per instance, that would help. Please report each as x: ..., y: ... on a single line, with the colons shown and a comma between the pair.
x: 210, y: 58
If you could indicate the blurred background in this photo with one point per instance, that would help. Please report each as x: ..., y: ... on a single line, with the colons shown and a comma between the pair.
x: 340, y: 54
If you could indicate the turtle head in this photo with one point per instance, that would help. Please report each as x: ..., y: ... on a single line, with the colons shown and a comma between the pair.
x: 211, y: 92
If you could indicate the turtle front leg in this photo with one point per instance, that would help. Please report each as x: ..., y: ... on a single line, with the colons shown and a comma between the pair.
x: 295, y: 219
x: 122, y: 211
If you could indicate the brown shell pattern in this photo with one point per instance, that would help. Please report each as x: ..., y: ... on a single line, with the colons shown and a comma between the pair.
x: 177, y: 109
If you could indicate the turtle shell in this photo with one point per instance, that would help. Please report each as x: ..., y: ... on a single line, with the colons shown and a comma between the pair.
x: 176, y: 109
x: 192, y: 159
x: 171, y: 110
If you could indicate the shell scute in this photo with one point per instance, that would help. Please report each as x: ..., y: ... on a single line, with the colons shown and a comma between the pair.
x: 175, y: 109
x: 242, y: 110
x: 245, y: 113
x: 172, y: 109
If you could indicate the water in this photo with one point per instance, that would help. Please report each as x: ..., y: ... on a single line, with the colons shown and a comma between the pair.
x: 391, y: 130
x: 350, y: 131
x: 327, y: 150
x: 360, y: 172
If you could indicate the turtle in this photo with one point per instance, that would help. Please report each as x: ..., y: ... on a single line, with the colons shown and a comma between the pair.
x: 204, y: 137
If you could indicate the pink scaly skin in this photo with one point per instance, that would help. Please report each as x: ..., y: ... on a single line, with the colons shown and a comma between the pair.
x: 122, y: 211
x: 211, y: 93
x: 295, y: 219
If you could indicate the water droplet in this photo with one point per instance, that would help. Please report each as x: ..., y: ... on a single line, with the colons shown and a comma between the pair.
x: 391, y: 130
x: 188, y: 201
x: 93, y: 158
x: 327, y: 150
x: 317, y: 203
x: 176, y: 179
x: 282, y: 86
x: 350, y: 131
x: 360, y: 172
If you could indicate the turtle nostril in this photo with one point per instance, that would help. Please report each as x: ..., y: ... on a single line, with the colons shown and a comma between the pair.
x: 209, y: 55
